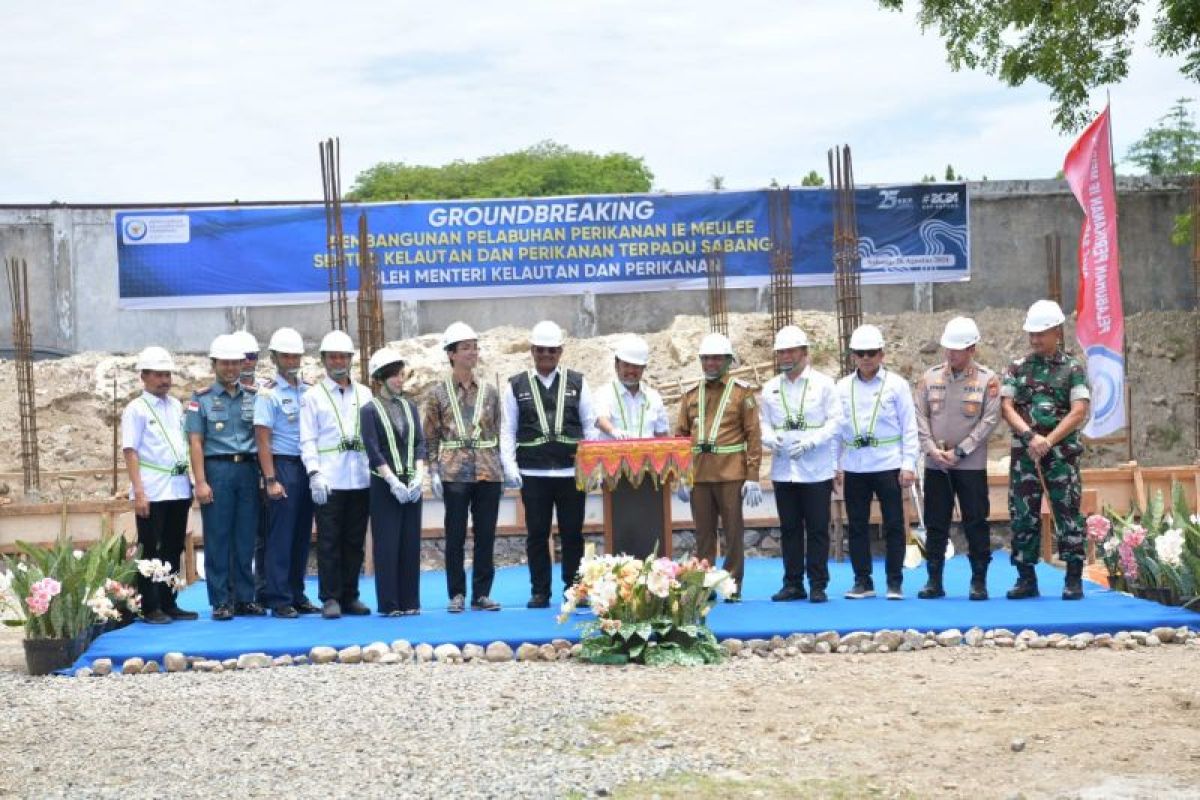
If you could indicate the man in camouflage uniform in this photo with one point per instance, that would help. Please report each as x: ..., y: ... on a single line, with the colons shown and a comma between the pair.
x: 1045, y: 400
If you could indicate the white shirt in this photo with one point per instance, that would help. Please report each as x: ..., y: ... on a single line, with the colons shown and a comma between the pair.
x: 508, y: 426
x: 642, y: 416
x: 324, y: 425
x: 822, y: 412
x: 153, y: 428
x: 896, y: 419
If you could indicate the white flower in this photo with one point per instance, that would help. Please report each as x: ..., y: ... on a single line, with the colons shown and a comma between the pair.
x: 713, y: 577
x: 78, y: 554
x: 1194, y: 519
x: 728, y: 587
x: 1110, y: 545
x: 23, y: 567
x: 658, y: 584
x: 1169, y: 547
x: 603, y: 595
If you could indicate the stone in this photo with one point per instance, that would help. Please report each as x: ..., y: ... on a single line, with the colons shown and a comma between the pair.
x: 473, y: 652
x: 497, y: 652
x: 914, y: 639
x: 374, y: 651
x: 822, y: 648
x: 151, y: 668
x: 175, y: 662
x: 732, y: 646
x: 284, y: 660
x: 217, y: 667
x: 974, y: 637
x: 388, y: 658
x: 322, y: 655
x: 758, y: 644
x: 1021, y: 644
x: 1151, y: 641
x: 528, y: 652
x: 254, y: 661
x: 423, y: 653
x: 350, y: 655
x: 1085, y: 637
x: 831, y: 638
x: 403, y: 649
x: 778, y: 642
x: 1039, y: 643
x: 1016, y: 745
x: 548, y: 652
x: 300, y: 661
x: 949, y: 638
x: 229, y: 663
x: 999, y: 632
x: 101, y: 667
x: 854, y: 639
x: 842, y: 649
x: 450, y: 654
x: 1164, y: 634
x: 889, y: 639
x: 1063, y: 644
x: 205, y: 665
x: 132, y: 666
x: 1004, y: 641
x: 83, y: 672
x: 561, y: 644
x: 576, y: 650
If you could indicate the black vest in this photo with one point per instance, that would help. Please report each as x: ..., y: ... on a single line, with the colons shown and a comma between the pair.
x: 551, y: 454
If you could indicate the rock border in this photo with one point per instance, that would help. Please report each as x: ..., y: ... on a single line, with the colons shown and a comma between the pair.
x: 401, y: 651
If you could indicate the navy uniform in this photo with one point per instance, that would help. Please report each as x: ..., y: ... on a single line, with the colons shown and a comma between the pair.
x: 224, y: 421
x: 289, y: 519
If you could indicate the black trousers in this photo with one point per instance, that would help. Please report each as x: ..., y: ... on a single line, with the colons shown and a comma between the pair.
x: 804, y: 531
x: 971, y: 489
x: 289, y: 519
x: 859, y: 489
x: 542, y: 498
x: 341, y: 535
x: 396, y: 547
x: 480, y: 500
x: 161, y: 536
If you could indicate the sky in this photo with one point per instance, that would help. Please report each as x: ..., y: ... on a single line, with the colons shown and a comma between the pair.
x: 217, y: 101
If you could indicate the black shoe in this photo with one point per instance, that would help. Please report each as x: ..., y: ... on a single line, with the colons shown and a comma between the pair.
x: 457, y: 604
x: 249, y: 610
x: 817, y: 595
x: 305, y: 607
x: 789, y: 593
x: 1026, y: 585
x: 222, y: 613
x: 356, y: 608
x: 734, y: 598
x: 332, y: 609
x: 932, y: 590
x: 285, y: 612
x: 485, y: 603
x: 860, y: 590
x: 978, y: 586
x: 156, y: 617
x: 538, y: 601
x: 894, y: 592
x: 181, y: 614
x: 1073, y: 587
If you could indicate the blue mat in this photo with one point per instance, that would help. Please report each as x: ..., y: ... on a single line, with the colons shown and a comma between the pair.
x: 757, y: 617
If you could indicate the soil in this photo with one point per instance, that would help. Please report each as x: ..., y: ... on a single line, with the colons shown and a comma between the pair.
x: 75, y: 395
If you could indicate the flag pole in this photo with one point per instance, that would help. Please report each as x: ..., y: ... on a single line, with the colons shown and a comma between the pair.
x: 1120, y: 280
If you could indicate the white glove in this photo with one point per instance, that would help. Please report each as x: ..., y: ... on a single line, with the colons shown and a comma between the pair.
x: 683, y: 493
x: 752, y: 493
x: 415, y: 485
x: 779, y: 448
x: 397, y: 488
x: 799, y: 448
x: 618, y: 433
x: 319, y: 488
x: 435, y: 484
x: 512, y: 476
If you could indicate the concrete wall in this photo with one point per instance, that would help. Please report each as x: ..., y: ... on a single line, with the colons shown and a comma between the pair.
x: 72, y: 253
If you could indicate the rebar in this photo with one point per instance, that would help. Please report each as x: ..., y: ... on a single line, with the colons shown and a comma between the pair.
x: 847, y: 264
x: 1054, y: 267
x: 371, y: 334
x: 779, y: 220
x: 18, y: 288
x: 335, y: 248
x: 718, y: 313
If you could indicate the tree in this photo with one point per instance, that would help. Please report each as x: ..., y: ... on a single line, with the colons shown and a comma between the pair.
x: 1171, y: 147
x: 812, y: 179
x: 545, y: 169
x: 1071, y: 46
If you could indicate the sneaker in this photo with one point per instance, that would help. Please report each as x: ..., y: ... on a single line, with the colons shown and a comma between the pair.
x: 356, y: 608
x: 222, y: 613
x: 178, y: 613
x: 485, y: 603
x: 734, y: 598
x: 156, y: 617
x: 332, y: 609
x: 285, y: 612
x: 457, y: 603
x: 249, y: 610
x: 817, y: 595
x: 894, y: 592
x: 538, y: 601
x: 789, y: 593
x: 860, y: 590
x: 306, y: 607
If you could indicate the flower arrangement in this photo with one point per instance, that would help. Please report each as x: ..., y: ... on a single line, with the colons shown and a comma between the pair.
x: 649, y: 611
x: 1154, y: 552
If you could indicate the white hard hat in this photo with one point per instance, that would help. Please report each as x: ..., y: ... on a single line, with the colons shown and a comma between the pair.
x: 790, y: 336
x: 960, y: 333
x: 226, y: 348
x: 246, y: 341
x: 457, y: 332
x: 715, y: 344
x: 866, y: 337
x: 287, y: 340
x: 337, y: 342
x: 633, y: 350
x: 546, y: 334
x: 155, y: 359
x: 381, y: 358
x: 1044, y: 315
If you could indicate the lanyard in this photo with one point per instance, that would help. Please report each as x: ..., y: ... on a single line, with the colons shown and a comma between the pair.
x: 797, y: 420
x: 390, y: 433
x: 621, y: 407
x: 560, y: 401
x: 476, y: 417
x: 716, y: 423
x: 338, y: 415
x: 166, y: 434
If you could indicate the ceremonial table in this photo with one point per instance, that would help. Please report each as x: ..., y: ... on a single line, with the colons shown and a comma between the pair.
x: 636, y: 475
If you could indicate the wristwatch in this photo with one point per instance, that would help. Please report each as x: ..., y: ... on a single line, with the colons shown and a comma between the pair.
x: 271, y: 479
x: 1026, y: 436
x: 312, y: 472
x: 958, y: 451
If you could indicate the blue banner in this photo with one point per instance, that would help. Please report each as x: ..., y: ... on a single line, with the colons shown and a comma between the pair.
x: 558, y: 245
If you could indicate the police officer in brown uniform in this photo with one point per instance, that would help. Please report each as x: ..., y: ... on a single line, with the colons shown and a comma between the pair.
x: 720, y: 415
x: 958, y: 407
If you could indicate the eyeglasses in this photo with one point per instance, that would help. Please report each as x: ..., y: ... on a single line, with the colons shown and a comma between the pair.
x: 866, y: 353
x: 541, y: 351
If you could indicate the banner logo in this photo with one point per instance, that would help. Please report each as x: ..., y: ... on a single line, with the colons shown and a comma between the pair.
x: 157, y: 229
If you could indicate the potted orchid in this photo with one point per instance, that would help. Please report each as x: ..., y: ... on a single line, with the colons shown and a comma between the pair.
x: 648, y: 611
x: 1156, y: 552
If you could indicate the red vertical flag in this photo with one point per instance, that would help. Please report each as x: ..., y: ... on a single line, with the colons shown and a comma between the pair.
x: 1100, y: 317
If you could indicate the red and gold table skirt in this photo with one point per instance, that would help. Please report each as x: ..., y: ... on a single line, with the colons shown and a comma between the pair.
x: 662, y: 460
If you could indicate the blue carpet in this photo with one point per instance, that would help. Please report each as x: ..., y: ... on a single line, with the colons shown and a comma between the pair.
x: 757, y: 617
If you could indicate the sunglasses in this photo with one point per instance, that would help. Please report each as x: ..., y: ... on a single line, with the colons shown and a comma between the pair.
x: 546, y: 350
x: 866, y: 353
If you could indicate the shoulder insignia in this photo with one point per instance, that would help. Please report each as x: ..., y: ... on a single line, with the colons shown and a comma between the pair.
x: 742, y: 383
x: 193, y: 405
x: 308, y: 381
x: 202, y: 392
x: 270, y: 384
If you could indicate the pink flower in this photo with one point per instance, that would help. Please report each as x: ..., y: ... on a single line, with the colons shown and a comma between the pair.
x: 46, y: 588
x: 1098, y: 527
x: 1129, y: 565
x: 38, y: 604
x: 666, y: 566
x: 1134, y: 536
